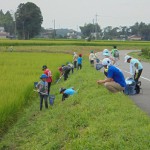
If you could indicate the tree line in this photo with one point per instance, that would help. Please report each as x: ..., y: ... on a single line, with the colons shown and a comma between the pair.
x: 123, y: 32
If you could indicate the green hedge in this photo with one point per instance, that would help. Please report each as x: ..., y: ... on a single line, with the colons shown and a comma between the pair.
x: 146, y: 52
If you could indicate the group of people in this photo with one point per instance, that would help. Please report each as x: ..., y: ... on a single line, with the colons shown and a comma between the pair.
x: 115, y: 80
x: 65, y: 69
x: 43, y: 86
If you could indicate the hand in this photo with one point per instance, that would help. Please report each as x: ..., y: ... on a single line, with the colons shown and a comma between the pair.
x: 99, y: 81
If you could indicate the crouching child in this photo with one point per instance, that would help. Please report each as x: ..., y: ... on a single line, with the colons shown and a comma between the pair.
x: 42, y: 88
x: 66, y: 92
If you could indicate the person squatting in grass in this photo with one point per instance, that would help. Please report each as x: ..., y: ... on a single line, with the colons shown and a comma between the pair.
x: 49, y: 75
x: 79, y: 62
x: 66, y: 92
x: 115, y: 81
x: 136, y: 65
x: 92, y: 57
x: 75, y: 56
x: 106, y: 54
x: 42, y: 88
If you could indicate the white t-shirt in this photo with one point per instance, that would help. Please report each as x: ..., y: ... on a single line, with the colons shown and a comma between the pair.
x: 92, y: 56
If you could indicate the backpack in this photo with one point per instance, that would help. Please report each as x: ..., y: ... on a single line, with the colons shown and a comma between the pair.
x: 116, y: 53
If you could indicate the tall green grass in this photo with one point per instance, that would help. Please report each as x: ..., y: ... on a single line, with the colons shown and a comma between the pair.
x: 92, y: 119
x: 18, y: 73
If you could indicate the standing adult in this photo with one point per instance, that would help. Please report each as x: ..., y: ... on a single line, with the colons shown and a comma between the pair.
x: 92, y: 57
x: 115, y: 81
x: 75, y: 57
x: 115, y: 54
x: 49, y: 77
x: 136, y: 67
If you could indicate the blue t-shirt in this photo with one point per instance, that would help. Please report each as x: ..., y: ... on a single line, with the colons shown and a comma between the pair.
x: 79, y: 60
x: 116, y: 75
x: 69, y: 91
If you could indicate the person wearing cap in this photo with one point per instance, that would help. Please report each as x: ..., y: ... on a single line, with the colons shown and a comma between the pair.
x: 136, y: 67
x: 66, y: 92
x: 115, y: 81
x: 42, y: 88
x: 92, y: 57
x: 75, y: 57
x: 49, y: 75
x: 106, y: 54
x: 79, y: 61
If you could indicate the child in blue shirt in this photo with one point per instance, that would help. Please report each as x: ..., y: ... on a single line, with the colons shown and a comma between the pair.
x: 79, y: 61
x: 42, y: 87
x: 66, y: 92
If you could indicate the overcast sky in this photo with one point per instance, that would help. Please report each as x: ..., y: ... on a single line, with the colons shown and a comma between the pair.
x: 75, y: 13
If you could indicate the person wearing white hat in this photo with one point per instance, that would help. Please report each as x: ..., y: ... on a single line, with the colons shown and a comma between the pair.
x: 136, y: 67
x: 75, y: 57
x: 115, y: 81
x: 92, y: 57
x: 106, y: 54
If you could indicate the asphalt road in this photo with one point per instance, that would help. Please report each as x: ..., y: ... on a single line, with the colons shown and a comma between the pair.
x: 142, y: 100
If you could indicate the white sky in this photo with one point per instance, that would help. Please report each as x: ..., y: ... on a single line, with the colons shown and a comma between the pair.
x: 74, y: 13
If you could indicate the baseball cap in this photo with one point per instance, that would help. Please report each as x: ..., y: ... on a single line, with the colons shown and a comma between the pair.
x: 43, y: 76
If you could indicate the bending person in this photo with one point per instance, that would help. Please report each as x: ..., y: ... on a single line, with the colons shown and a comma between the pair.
x: 134, y: 65
x: 115, y: 81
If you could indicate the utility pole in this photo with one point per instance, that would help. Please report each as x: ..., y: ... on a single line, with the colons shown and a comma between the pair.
x: 15, y: 23
x: 54, y: 29
x: 96, y: 25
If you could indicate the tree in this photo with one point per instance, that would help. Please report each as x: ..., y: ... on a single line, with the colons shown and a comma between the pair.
x: 89, y: 29
x: 28, y: 20
x: 6, y: 21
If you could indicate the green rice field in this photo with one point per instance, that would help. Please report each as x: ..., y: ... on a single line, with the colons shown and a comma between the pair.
x: 18, y: 73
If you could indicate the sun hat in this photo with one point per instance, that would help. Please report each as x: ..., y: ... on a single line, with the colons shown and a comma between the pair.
x: 106, y: 52
x: 126, y: 58
x: 43, y: 76
x: 106, y: 62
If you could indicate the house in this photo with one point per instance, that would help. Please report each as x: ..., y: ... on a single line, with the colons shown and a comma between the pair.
x: 135, y: 37
x: 3, y: 34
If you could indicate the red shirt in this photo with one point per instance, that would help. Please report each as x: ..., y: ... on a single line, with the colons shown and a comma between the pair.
x: 49, y: 74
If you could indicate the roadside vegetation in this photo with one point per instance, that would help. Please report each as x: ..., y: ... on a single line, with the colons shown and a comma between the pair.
x: 143, y: 55
x: 92, y: 119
